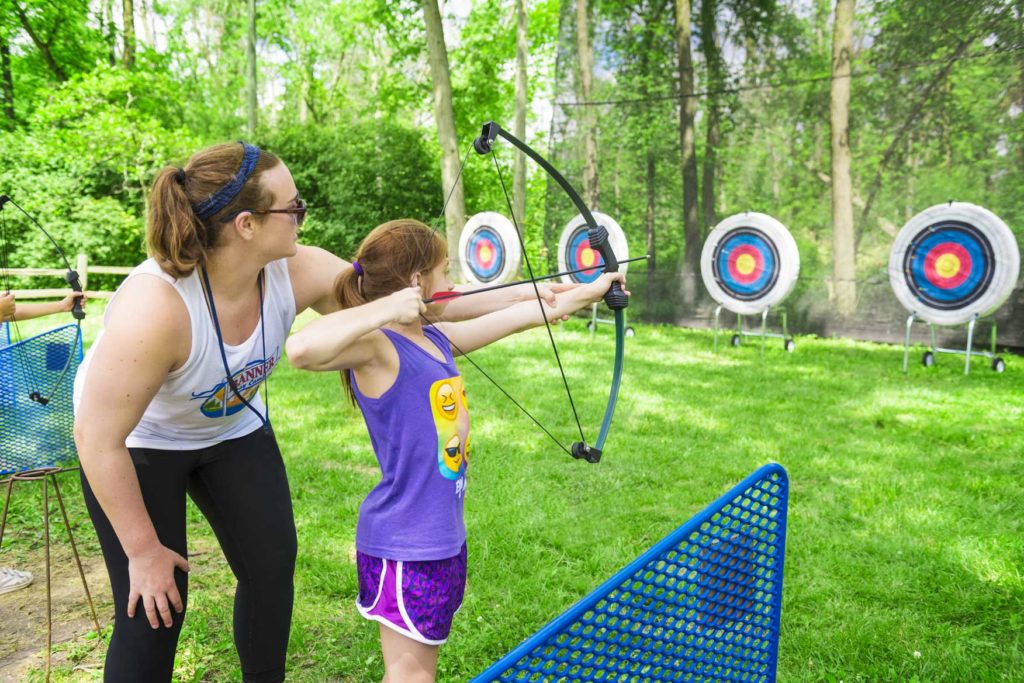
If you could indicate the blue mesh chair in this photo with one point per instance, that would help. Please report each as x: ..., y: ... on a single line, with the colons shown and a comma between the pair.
x: 701, y: 606
x: 37, y: 436
x: 5, y: 334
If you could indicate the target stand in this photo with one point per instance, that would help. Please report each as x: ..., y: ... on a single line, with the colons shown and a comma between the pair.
x: 788, y: 343
x: 749, y: 264
x: 928, y: 358
x: 574, y: 253
x: 953, y: 264
x: 36, y: 440
x: 703, y: 605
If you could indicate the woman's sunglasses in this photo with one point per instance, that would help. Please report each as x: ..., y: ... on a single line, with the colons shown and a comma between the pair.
x: 298, y: 211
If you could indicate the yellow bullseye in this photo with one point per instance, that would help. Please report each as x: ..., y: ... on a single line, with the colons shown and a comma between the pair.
x: 486, y: 253
x: 745, y: 264
x: 588, y: 257
x: 947, y: 265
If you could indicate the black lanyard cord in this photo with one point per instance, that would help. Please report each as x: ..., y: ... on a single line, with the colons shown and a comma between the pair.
x: 208, y: 293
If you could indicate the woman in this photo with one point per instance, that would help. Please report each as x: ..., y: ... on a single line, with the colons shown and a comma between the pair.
x: 168, y: 403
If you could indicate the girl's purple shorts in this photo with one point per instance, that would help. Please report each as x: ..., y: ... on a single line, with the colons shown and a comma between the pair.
x: 417, y: 599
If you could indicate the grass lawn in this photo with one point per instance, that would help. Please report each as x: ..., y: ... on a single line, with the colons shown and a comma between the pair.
x: 905, y: 554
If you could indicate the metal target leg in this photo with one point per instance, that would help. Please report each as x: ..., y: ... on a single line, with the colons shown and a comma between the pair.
x: 718, y: 313
x: 970, y: 345
x: 906, y: 341
x: 74, y: 550
x: 994, y: 328
x: 764, y: 324
x: 593, y: 319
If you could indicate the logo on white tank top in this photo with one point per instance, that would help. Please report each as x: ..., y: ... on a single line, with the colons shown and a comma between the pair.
x: 221, y: 401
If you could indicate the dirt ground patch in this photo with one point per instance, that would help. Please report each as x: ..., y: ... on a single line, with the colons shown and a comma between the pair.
x: 23, y: 612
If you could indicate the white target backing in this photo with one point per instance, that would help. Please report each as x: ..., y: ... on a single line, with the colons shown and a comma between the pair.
x: 749, y: 262
x: 952, y: 262
x: 574, y: 250
x: 489, y: 249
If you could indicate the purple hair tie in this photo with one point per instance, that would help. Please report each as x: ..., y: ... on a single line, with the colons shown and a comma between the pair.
x: 358, y: 268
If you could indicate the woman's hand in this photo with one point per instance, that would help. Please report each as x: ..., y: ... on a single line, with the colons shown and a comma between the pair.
x: 151, y: 577
x: 6, y: 307
x: 406, y: 305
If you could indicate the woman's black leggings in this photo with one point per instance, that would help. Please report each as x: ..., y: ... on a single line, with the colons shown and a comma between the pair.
x: 241, y: 488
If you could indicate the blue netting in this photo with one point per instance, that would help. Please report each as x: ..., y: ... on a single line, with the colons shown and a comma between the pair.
x: 5, y: 334
x: 701, y: 606
x: 34, y: 435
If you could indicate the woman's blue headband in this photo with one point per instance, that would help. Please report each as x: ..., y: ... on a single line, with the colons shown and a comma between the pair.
x: 228, y: 192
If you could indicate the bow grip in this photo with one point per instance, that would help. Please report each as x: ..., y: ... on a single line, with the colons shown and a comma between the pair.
x: 76, y: 285
x: 615, y: 298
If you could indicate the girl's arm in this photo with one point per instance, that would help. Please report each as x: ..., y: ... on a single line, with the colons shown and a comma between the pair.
x: 342, y: 339
x: 30, y: 311
x: 6, y: 307
x: 468, y: 307
x: 144, y: 334
x: 470, y: 335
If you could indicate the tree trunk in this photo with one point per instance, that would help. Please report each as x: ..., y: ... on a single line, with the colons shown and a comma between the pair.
x: 250, y: 60
x: 687, y: 113
x: 7, y: 81
x: 716, y: 80
x: 444, y: 113
x: 519, y: 161
x: 109, y: 30
x: 652, y: 261
x: 843, y: 239
x: 145, y: 15
x: 128, y: 17
x: 591, y: 189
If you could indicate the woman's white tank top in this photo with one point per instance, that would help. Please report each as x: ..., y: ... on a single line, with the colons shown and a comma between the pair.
x: 195, y: 407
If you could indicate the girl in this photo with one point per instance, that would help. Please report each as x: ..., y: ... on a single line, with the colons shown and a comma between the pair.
x: 410, y: 539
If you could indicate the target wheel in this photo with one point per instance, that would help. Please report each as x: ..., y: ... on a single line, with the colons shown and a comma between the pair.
x: 749, y: 262
x: 574, y: 250
x: 489, y: 249
x: 953, y: 262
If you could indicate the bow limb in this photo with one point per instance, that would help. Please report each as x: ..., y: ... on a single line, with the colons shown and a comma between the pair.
x: 615, y: 298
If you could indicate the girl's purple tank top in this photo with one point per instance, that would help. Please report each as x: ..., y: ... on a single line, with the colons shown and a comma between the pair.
x: 419, y: 429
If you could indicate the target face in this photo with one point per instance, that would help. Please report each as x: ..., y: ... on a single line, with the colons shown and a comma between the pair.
x: 952, y: 262
x: 574, y: 250
x: 489, y: 249
x: 749, y: 262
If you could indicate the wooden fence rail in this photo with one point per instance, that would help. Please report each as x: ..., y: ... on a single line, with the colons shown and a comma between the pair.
x: 84, y: 270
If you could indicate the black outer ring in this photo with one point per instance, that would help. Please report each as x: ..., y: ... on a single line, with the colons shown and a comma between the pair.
x: 768, y: 287
x: 979, y: 291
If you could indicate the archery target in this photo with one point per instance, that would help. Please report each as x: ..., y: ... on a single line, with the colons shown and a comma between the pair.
x: 952, y: 262
x: 574, y: 250
x: 749, y: 262
x: 489, y: 248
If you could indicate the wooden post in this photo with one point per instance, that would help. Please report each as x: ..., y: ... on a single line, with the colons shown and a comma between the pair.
x: 82, y: 266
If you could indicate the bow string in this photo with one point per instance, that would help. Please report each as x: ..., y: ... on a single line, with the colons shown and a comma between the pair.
x: 615, y: 298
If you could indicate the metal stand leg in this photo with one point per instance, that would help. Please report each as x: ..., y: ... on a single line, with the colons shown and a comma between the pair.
x: 593, y: 320
x: 764, y: 327
x: 970, y: 344
x: 718, y: 313
x: 49, y: 601
x: 74, y: 550
x: 906, y: 341
x: 7, y: 502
